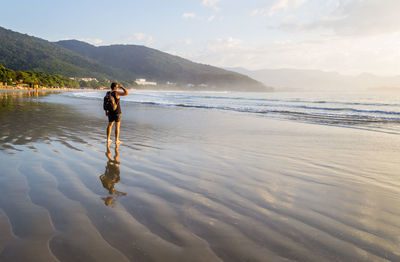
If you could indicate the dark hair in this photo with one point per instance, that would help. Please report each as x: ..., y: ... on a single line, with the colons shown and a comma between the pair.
x: 113, y: 85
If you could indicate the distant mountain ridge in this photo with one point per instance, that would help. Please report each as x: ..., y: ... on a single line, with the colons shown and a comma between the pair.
x: 317, y: 80
x: 135, y: 61
x: 74, y: 58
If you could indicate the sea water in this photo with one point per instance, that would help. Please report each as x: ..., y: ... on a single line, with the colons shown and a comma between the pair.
x: 372, y: 111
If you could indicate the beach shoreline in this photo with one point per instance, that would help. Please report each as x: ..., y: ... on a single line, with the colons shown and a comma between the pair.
x: 200, y: 185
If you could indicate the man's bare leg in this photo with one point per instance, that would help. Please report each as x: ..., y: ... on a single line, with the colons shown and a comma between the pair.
x: 117, y: 142
x: 109, y: 127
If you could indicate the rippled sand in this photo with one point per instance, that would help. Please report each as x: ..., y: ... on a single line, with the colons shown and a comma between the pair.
x: 191, y: 185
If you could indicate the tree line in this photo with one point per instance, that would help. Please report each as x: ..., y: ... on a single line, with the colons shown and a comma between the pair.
x: 32, y: 78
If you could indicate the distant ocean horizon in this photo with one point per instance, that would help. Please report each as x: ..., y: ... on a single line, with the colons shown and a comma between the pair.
x: 371, y: 111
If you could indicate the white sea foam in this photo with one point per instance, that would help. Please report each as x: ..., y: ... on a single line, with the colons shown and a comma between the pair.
x: 326, y: 108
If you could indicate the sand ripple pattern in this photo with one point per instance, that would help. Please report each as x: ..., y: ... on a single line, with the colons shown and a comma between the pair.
x: 198, y: 187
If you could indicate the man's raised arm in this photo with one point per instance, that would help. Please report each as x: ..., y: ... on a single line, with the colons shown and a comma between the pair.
x: 125, y: 93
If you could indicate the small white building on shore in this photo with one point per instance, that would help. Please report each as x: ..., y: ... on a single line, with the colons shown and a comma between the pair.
x: 143, y: 82
x: 86, y: 79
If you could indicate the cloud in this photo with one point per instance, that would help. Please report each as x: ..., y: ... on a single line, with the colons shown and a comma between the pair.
x: 258, y: 11
x: 211, y: 4
x: 93, y: 41
x: 188, y: 15
x: 223, y: 44
x: 379, y: 55
x: 200, y: 18
x: 285, y: 5
x: 148, y: 39
x: 139, y: 38
x: 188, y: 41
x: 362, y: 17
x: 278, y: 5
x: 336, y: 18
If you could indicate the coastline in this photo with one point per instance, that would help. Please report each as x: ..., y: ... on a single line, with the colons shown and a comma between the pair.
x: 13, y: 88
x: 199, y: 186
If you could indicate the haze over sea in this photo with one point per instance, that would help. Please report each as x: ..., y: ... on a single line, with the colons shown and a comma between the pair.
x: 202, y: 176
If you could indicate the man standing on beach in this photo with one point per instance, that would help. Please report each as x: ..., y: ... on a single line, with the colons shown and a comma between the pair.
x: 115, y: 115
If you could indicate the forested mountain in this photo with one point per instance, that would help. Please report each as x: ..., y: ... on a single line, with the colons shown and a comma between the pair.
x: 21, y: 52
x: 144, y: 62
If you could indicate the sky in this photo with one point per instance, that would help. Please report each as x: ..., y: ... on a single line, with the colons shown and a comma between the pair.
x: 346, y: 36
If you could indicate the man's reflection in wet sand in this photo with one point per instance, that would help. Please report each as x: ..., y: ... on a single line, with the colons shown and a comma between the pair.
x: 111, y: 176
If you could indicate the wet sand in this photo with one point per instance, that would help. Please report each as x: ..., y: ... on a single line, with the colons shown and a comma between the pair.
x: 191, y: 185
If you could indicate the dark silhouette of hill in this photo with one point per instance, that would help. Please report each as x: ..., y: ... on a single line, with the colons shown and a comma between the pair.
x: 72, y: 58
x: 24, y: 52
x: 135, y: 61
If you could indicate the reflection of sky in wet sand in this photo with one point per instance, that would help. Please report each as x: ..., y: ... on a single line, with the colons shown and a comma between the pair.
x: 25, y: 120
x: 200, y: 187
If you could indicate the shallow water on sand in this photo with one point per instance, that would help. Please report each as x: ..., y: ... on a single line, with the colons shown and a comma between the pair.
x: 191, y: 185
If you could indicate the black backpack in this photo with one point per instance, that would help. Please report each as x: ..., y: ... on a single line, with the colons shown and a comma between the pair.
x: 109, y: 103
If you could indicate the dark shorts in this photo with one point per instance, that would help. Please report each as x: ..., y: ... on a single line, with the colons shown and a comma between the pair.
x: 114, y: 117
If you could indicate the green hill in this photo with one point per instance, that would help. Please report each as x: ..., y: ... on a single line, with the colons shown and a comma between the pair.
x: 140, y: 61
x: 22, y: 52
x: 72, y: 58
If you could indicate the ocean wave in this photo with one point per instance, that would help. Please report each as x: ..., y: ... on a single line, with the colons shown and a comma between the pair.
x: 349, y: 113
x: 183, y: 95
x: 297, y: 101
